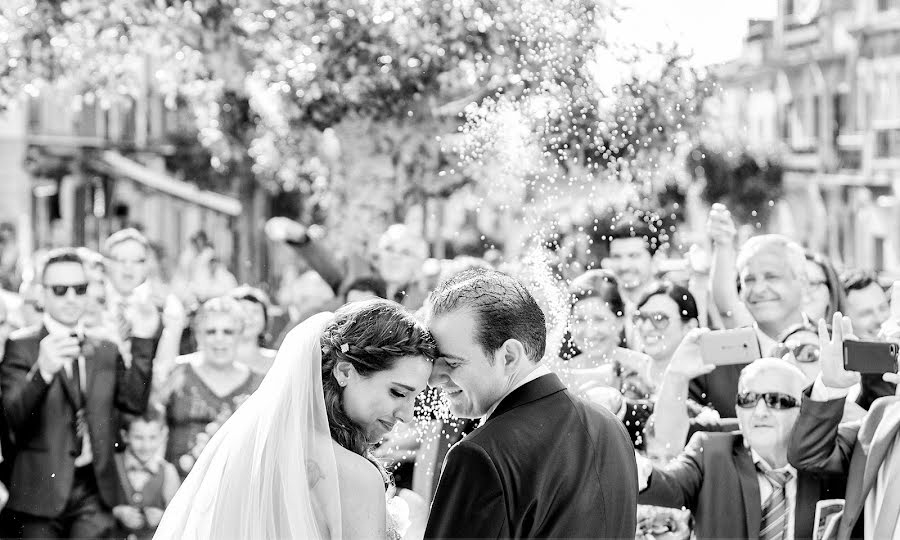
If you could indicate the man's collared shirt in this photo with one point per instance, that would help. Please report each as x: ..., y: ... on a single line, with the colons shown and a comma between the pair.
x: 56, y: 328
x: 766, y: 489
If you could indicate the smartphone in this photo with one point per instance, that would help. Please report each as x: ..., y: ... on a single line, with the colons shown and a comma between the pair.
x: 729, y: 347
x: 870, y: 356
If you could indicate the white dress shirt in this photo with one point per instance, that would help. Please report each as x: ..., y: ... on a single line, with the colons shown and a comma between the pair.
x: 766, y: 489
x: 539, y: 371
x: 56, y: 328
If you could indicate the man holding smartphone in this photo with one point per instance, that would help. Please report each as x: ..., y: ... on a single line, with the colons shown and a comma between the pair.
x: 866, y: 452
x: 59, y: 392
x: 739, y: 484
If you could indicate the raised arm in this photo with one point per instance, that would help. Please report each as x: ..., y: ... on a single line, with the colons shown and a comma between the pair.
x: 723, y: 273
x: 319, y: 258
x: 677, y: 484
x: 819, y: 442
x: 670, y: 414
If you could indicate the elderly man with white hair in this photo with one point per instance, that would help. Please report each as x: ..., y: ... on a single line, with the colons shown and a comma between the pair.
x: 771, y: 271
x: 739, y: 484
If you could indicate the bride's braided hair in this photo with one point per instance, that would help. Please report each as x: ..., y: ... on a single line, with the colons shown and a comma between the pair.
x: 371, y: 335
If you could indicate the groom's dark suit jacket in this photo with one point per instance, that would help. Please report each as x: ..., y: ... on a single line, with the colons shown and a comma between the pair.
x: 545, y: 465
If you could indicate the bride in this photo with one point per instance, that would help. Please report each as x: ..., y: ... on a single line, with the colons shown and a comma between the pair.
x: 294, y: 461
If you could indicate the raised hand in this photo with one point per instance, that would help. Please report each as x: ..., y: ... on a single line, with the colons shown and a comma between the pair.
x: 607, y: 397
x: 55, y: 352
x: 282, y: 229
x: 687, y: 361
x: 720, y: 226
x: 831, y: 352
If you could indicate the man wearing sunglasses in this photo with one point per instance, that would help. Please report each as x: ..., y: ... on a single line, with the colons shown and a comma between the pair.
x: 740, y: 484
x: 59, y: 391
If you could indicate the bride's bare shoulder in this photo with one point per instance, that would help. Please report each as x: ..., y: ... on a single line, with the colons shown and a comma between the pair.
x: 357, y: 471
x: 362, y: 490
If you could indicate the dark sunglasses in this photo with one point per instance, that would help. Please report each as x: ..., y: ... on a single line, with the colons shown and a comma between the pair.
x: 773, y: 400
x: 660, y: 321
x: 61, y: 290
x: 804, y: 353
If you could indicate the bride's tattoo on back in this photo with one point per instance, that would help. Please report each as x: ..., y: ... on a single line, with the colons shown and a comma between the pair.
x: 313, y: 473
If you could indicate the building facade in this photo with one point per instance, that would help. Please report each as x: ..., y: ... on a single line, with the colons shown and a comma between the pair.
x: 75, y: 171
x: 820, y: 86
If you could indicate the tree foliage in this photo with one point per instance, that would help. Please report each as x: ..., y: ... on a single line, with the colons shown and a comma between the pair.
x: 747, y: 185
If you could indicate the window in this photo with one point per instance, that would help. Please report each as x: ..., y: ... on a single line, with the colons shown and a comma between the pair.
x: 839, y: 110
x: 887, y: 143
x: 879, y: 254
x: 785, y: 120
x: 816, y: 118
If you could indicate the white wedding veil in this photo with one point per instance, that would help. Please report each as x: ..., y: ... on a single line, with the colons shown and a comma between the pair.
x: 269, y: 472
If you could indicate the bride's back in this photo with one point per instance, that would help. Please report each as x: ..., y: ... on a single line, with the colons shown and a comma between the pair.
x: 362, y: 495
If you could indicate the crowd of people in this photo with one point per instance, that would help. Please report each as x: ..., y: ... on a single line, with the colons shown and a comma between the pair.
x: 113, y: 381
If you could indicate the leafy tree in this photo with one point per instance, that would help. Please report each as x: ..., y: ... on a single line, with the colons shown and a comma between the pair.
x: 747, y: 185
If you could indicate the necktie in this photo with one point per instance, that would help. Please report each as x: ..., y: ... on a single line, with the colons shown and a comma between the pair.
x: 775, y: 509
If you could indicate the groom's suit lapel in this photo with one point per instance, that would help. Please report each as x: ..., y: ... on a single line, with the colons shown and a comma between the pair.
x: 532, y: 391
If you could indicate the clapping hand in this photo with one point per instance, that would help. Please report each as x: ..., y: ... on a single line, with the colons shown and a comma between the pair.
x: 143, y: 318
x: 129, y: 516
x: 687, y: 360
x: 154, y: 516
x: 831, y: 352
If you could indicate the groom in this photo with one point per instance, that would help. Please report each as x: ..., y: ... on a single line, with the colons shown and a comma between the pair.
x: 543, y: 463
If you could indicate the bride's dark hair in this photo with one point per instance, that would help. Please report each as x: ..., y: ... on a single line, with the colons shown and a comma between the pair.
x: 371, y: 335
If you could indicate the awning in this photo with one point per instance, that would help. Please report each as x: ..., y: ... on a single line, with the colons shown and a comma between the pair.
x: 158, y: 181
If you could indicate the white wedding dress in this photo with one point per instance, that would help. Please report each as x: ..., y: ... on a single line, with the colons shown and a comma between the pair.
x: 269, y: 472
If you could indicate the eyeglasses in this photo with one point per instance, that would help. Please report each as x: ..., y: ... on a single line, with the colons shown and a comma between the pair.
x: 61, y: 290
x: 225, y: 331
x: 660, y: 321
x: 804, y: 353
x: 773, y: 400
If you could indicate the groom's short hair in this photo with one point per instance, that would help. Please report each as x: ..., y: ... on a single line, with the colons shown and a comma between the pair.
x: 503, y: 306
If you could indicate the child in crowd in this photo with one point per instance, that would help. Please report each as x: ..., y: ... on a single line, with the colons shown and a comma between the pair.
x: 147, y: 481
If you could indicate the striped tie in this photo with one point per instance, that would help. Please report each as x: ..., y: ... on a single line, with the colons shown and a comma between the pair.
x: 774, y: 510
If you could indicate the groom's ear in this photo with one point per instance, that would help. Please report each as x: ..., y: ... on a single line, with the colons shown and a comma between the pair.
x: 512, y: 353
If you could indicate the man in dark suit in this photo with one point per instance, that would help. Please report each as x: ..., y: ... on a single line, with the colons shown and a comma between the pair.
x: 867, y: 452
x: 543, y: 463
x: 59, y: 392
x: 740, y: 485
